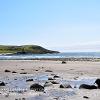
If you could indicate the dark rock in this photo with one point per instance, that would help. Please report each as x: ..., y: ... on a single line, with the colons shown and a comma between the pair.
x: 44, y: 92
x: 85, y: 86
x: 36, y: 70
x: 53, y: 74
x: 29, y: 80
x: 7, y: 95
x: 20, y: 91
x: 75, y: 86
x: 14, y: 72
x: 50, y: 78
x: 48, y: 71
x: 56, y: 98
x: 98, y: 82
x: 22, y: 69
x: 7, y: 70
x: 2, y: 84
x: 23, y: 99
x: 23, y: 73
x: 54, y: 82
x: 36, y: 87
x: 47, y: 84
x: 56, y: 76
x: 85, y: 97
x: 63, y: 62
x: 71, y: 69
x: 65, y: 86
x: 75, y: 78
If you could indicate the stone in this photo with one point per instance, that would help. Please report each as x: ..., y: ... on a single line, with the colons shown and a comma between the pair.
x: 56, y: 76
x: 22, y: 69
x: 47, y: 84
x: 98, y: 82
x: 48, y: 71
x: 14, y: 72
x: 28, y: 80
x: 2, y: 84
x: 23, y: 99
x: 50, y: 78
x: 7, y: 70
x: 86, y: 86
x: 23, y: 73
x: 36, y: 87
x: 65, y: 86
x: 63, y: 62
x: 85, y: 97
x: 54, y: 82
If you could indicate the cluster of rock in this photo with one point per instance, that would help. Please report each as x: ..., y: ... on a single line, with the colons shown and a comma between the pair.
x: 86, y: 86
x: 38, y: 87
x: 51, y: 81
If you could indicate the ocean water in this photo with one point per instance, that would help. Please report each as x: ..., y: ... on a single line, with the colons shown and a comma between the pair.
x: 58, y: 55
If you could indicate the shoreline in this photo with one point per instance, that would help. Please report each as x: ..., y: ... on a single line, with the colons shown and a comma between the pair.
x: 58, y: 59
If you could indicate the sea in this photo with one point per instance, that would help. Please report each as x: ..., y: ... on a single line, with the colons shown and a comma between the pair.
x: 55, y: 55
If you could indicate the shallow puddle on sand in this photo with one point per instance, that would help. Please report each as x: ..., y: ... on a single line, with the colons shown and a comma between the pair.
x: 20, y: 83
x: 78, y: 82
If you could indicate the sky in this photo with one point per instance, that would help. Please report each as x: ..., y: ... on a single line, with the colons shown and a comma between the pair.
x: 63, y: 25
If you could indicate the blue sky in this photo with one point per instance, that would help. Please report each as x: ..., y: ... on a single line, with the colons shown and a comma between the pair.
x: 65, y: 25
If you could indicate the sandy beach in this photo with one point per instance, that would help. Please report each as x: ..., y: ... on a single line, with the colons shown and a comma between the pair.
x: 41, y: 71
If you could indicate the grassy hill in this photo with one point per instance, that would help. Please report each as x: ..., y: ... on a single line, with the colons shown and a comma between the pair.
x: 24, y: 49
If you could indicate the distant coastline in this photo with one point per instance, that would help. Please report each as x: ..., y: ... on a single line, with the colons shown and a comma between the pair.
x: 24, y: 49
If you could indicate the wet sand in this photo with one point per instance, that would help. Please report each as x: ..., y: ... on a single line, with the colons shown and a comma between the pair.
x: 26, y: 69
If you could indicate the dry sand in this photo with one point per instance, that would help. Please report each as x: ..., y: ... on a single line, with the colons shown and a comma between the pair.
x: 72, y: 70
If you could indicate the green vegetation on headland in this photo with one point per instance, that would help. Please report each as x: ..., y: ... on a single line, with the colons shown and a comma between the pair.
x: 24, y: 49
